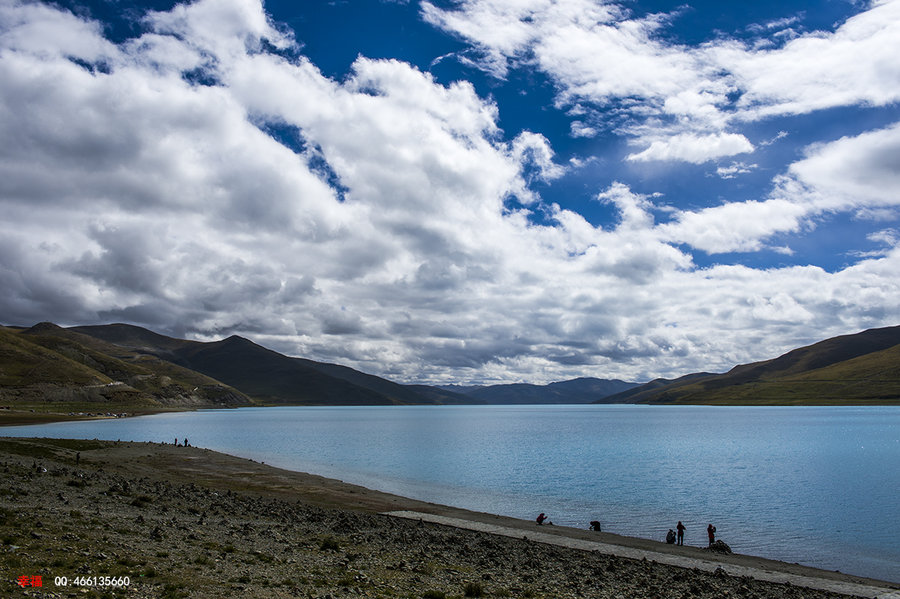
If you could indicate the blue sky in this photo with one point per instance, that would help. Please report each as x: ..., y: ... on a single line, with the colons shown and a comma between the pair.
x: 456, y: 191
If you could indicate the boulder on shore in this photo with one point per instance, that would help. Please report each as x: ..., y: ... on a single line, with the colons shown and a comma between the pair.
x: 720, y: 547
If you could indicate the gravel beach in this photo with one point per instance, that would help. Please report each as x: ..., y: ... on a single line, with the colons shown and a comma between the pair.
x: 188, y: 522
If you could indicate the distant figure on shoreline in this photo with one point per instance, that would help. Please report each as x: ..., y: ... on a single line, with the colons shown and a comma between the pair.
x: 541, y: 517
x: 670, y: 537
x: 680, y: 529
x: 185, y: 442
x: 595, y: 525
x: 711, y: 531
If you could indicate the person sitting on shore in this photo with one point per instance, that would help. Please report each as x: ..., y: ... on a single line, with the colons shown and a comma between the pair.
x: 670, y: 537
x: 595, y: 525
x: 541, y: 517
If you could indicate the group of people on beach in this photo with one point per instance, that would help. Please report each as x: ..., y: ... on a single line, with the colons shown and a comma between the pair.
x: 671, y: 537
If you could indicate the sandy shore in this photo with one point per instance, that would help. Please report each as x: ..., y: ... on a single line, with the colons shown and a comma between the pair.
x: 188, y: 522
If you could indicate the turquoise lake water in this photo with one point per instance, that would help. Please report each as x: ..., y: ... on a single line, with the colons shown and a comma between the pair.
x: 817, y: 486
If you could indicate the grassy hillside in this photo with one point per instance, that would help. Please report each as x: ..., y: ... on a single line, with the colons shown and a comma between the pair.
x: 35, y: 377
x: 855, y: 369
x: 124, y: 368
x: 647, y: 392
x: 873, y: 378
x: 50, y: 369
x: 25, y: 362
x: 265, y: 375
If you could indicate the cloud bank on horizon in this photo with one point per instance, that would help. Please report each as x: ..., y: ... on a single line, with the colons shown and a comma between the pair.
x: 482, y: 191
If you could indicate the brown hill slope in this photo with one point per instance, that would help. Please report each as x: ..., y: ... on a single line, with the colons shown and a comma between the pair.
x: 168, y: 383
x: 33, y: 376
x: 50, y: 369
x: 266, y: 375
x: 863, y: 368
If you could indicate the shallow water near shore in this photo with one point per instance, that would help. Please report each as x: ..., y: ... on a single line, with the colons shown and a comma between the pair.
x: 814, y: 485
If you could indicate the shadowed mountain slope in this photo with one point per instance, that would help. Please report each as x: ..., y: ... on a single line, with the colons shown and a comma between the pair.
x: 576, y: 391
x: 268, y: 376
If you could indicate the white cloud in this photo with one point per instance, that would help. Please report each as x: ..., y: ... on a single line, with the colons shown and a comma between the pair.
x: 856, y: 174
x: 735, y: 227
x: 696, y: 149
x: 734, y: 169
x: 597, y: 52
x: 861, y: 171
x: 579, y: 129
x: 890, y: 237
x: 504, y: 23
x: 858, y: 64
x: 25, y: 27
x: 131, y: 193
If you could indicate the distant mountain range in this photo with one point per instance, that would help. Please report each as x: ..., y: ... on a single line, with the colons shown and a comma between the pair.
x: 120, y: 364
x: 121, y: 367
x: 858, y: 369
x: 582, y: 390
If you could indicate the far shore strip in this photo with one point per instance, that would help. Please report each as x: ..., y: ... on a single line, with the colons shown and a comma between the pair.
x: 847, y: 588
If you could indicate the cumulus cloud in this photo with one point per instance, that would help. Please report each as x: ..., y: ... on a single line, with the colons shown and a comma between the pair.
x: 855, y: 172
x: 676, y: 97
x: 855, y: 65
x: 737, y: 226
x: 695, y: 149
x: 595, y: 51
x: 147, y: 181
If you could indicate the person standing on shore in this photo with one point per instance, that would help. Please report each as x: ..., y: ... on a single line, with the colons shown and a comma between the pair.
x: 680, y: 529
x: 711, y: 531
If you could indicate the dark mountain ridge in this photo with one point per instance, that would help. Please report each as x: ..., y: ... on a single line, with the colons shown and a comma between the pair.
x: 268, y: 376
x: 575, y: 391
x: 126, y: 365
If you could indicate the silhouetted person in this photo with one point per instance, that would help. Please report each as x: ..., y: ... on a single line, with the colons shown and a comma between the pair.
x: 670, y: 537
x: 711, y: 531
x: 680, y: 529
x: 595, y: 525
x: 541, y: 517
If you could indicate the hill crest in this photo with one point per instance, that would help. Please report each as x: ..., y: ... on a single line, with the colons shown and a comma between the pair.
x: 861, y: 368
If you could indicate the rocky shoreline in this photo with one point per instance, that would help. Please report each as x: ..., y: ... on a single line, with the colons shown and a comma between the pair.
x: 188, y: 522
